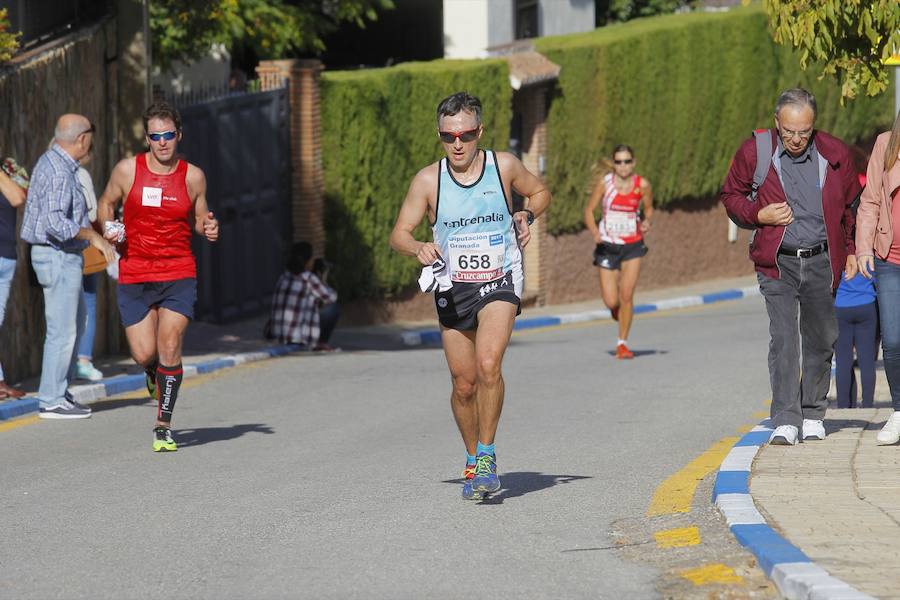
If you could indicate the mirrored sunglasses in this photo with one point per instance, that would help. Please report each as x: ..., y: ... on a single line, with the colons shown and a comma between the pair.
x: 162, y: 135
x: 448, y: 137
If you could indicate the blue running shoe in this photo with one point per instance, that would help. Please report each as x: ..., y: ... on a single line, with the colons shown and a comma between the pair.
x: 467, y: 492
x: 486, y: 479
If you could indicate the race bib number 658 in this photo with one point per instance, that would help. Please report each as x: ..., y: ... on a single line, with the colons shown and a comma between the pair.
x: 476, y: 257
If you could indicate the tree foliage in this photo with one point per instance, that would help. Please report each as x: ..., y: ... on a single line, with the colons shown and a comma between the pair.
x: 9, y: 42
x: 273, y: 28
x: 625, y: 10
x: 850, y: 38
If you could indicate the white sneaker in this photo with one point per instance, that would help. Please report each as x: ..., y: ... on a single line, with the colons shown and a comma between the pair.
x: 890, y: 433
x: 813, y: 429
x: 784, y: 435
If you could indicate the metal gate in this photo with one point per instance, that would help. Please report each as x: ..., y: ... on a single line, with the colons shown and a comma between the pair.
x: 242, y: 144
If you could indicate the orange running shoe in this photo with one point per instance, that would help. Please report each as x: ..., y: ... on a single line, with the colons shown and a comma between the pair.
x: 614, y: 313
x: 468, y: 492
x: 622, y: 351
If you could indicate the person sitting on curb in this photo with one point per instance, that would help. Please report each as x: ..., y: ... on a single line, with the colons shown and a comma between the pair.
x: 304, y: 306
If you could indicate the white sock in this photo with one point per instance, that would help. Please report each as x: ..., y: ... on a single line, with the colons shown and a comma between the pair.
x: 621, y: 342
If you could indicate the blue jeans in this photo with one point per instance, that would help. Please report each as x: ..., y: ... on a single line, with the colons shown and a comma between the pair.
x: 857, y: 328
x: 89, y: 294
x: 888, y: 277
x: 7, y: 270
x: 59, y: 274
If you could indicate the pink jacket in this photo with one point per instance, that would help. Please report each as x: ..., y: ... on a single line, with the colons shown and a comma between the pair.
x: 874, y: 228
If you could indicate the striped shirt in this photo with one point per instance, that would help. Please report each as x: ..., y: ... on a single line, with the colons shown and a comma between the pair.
x: 56, y: 210
x: 295, y: 308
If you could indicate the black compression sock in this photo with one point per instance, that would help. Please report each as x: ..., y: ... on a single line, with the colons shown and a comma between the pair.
x: 168, y: 381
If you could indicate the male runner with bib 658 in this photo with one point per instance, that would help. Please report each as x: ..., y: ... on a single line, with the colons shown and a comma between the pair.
x: 467, y: 197
x: 165, y: 200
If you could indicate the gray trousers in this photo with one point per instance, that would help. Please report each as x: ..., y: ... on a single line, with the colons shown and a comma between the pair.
x: 800, y: 382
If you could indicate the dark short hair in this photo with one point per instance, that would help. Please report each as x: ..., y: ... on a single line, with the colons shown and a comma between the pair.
x: 455, y: 103
x: 162, y: 110
x: 623, y: 148
x: 299, y: 255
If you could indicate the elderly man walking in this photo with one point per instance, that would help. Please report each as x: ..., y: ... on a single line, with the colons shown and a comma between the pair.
x: 57, y: 227
x: 795, y: 186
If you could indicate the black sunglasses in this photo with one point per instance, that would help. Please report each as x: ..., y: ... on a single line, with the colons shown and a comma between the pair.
x: 627, y: 161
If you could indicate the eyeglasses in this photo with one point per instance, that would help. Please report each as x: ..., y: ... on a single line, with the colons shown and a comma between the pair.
x: 626, y: 161
x: 787, y: 134
x: 162, y: 135
x: 449, y: 137
x: 90, y: 129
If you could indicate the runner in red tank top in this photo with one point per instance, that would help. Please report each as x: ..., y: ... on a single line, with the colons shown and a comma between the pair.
x: 165, y: 203
x: 620, y: 238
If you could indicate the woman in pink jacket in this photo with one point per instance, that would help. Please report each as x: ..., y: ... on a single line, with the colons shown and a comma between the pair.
x: 878, y: 251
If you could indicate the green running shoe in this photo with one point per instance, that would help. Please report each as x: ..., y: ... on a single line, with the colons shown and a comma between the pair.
x: 486, y: 480
x: 162, y: 440
x: 150, y: 375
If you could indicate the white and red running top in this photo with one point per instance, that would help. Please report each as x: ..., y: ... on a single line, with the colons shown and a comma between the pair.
x: 620, y: 223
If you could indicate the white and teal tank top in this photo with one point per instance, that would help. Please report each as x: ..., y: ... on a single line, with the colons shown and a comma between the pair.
x: 474, y: 229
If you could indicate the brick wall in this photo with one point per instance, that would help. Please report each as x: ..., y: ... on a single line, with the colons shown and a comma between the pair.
x: 530, y: 103
x: 307, y: 178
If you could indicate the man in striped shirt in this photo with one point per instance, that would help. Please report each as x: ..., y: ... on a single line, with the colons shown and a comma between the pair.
x: 57, y: 227
x: 304, y: 309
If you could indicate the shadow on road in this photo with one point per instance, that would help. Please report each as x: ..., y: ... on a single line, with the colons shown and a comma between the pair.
x: 639, y: 353
x: 207, y: 435
x: 120, y: 403
x: 520, y: 483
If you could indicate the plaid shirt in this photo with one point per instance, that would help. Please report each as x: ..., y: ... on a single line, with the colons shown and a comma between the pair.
x: 55, y: 210
x: 295, y: 307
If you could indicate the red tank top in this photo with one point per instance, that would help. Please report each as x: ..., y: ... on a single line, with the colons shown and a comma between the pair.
x: 620, y: 223
x: 158, y: 227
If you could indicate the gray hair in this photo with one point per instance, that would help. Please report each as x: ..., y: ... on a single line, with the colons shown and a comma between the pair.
x: 460, y: 101
x: 68, y: 132
x: 796, y: 97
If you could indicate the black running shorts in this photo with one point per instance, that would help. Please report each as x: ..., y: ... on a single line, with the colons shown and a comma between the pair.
x: 458, y: 307
x: 611, y: 256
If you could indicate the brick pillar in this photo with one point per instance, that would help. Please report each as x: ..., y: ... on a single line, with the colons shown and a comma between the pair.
x: 531, y: 103
x: 307, y: 177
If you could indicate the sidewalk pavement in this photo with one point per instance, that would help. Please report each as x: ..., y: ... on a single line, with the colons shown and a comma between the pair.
x: 822, y: 517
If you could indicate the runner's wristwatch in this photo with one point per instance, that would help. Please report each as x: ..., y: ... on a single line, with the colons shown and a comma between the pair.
x: 530, y: 215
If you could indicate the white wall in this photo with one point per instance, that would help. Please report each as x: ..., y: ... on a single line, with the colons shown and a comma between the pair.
x: 558, y: 17
x: 465, y: 28
x: 211, y: 70
x: 501, y: 25
x: 472, y: 26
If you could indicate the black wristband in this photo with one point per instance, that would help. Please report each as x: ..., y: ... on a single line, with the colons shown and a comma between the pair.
x: 530, y: 215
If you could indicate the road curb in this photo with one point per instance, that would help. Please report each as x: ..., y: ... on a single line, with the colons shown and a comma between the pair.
x: 89, y: 393
x: 432, y: 336
x: 796, y: 576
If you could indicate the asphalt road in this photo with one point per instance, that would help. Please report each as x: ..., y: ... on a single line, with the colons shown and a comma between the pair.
x: 337, y: 476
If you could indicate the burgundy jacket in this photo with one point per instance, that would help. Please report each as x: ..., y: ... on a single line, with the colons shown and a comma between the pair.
x: 840, y: 189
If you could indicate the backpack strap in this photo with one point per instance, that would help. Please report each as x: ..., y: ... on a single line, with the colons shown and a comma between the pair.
x: 763, y: 139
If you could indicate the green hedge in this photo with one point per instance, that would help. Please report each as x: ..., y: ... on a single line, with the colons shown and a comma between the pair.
x: 378, y: 131
x: 683, y: 91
